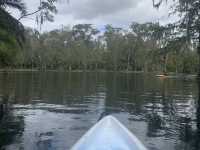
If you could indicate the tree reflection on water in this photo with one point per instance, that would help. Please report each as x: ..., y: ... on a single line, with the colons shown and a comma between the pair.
x: 53, y: 110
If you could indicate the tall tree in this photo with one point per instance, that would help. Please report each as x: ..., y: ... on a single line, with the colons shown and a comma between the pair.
x: 189, y: 19
x: 114, y: 38
x: 83, y: 35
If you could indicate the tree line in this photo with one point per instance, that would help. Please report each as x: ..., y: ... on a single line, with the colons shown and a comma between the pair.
x: 144, y: 47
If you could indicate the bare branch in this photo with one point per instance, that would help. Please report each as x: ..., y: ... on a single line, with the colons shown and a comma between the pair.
x: 29, y: 14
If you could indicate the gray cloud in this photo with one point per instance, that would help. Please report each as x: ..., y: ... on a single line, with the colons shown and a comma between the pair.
x: 100, y: 12
x: 89, y: 9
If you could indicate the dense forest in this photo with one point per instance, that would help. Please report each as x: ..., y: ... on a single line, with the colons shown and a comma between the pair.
x: 146, y: 47
x: 143, y: 47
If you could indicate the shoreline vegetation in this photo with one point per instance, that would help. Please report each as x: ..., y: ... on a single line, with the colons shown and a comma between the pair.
x: 144, y: 47
x: 156, y: 74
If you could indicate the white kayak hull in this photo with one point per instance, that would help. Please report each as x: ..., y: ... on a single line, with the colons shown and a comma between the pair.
x: 108, y: 134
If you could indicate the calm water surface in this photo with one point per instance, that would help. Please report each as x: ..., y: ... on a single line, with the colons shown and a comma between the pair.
x: 50, y: 111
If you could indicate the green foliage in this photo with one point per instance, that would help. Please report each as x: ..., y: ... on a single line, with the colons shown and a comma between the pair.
x: 8, y: 49
x: 141, y: 48
x: 12, y: 33
x: 11, y: 26
x: 46, y: 11
x: 188, y: 24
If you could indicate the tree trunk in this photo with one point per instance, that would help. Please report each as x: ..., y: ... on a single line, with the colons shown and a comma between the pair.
x: 45, y: 67
x: 70, y: 68
x: 96, y: 66
x: 176, y: 56
x: 145, y: 66
x: 84, y: 67
x: 135, y: 68
x: 128, y: 61
x: 176, y: 67
x: 165, y: 64
x: 198, y: 51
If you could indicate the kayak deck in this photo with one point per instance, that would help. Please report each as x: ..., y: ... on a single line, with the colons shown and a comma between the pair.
x: 108, y: 134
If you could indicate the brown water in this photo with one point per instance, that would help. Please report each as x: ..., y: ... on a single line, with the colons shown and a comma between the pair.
x: 52, y: 110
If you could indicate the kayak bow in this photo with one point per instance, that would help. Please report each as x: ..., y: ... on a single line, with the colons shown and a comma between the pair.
x: 108, y: 134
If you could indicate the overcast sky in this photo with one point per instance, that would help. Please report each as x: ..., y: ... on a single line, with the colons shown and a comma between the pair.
x: 119, y: 13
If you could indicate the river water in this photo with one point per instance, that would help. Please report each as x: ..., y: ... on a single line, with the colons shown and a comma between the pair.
x: 52, y: 110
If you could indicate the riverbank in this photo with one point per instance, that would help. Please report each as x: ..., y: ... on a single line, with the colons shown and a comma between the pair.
x: 61, y: 70
x: 157, y: 74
